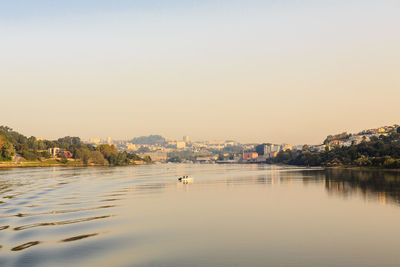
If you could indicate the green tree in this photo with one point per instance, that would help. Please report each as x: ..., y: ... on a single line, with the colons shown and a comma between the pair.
x: 284, y: 156
x: 147, y: 159
x: 29, y: 155
x: 83, y: 154
x: 7, y: 150
x: 63, y: 159
x: 96, y: 157
x: 45, y: 154
x: 107, y: 150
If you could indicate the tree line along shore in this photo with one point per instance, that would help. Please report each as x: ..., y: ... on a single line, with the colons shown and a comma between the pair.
x: 17, y: 150
x: 379, y: 152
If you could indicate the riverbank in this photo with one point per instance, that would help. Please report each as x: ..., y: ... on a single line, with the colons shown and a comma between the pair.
x: 360, y: 168
x: 54, y: 163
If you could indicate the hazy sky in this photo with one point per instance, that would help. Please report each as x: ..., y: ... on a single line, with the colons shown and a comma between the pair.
x: 253, y: 71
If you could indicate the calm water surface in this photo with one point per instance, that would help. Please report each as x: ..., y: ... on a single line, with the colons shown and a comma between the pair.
x: 231, y: 215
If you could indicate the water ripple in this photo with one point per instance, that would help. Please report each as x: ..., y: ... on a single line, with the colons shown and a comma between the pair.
x: 28, y: 226
x: 4, y: 227
x: 26, y: 245
x: 110, y: 199
x: 78, y: 237
x: 61, y: 211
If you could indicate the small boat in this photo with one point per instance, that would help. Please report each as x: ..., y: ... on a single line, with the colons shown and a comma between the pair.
x: 185, y: 179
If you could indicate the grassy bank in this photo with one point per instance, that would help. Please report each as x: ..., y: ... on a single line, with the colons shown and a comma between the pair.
x: 52, y: 163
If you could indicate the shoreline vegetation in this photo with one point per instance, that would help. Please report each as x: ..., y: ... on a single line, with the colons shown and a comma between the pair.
x: 380, y: 152
x: 17, y: 150
x: 359, y: 168
x: 49, y: 163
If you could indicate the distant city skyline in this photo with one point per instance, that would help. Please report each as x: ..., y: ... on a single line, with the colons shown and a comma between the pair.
x: 188, y: 139
x: 251, y: 71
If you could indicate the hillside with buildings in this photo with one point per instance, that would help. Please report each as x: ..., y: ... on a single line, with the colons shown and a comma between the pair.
x: 378, y: 147
x: 372, y: 147
x: 161, y: 149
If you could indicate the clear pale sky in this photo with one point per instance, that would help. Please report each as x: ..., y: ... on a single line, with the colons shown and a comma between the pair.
x: 253, y: 71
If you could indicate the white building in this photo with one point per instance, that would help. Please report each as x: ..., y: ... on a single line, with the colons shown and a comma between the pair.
x: 180, y: 144
x: 285, y: 147
x: 268, y: 148
x: 54, y: 151
x: 186, y: 139
x: 131, y: 146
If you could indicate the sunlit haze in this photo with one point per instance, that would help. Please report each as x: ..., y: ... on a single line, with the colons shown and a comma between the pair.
x: 252, y: 71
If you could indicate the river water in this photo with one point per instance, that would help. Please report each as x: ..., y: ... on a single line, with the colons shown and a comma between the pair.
x: 231, y: 215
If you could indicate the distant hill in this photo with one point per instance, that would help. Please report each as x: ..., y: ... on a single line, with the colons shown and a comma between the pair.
x: 149, y: 140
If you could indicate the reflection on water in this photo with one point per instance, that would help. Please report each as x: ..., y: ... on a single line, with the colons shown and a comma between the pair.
x: 229, y: 215
x: 74, y: 238
x: 24, y: 246
x: 60, y: 222
x: 380, y: 185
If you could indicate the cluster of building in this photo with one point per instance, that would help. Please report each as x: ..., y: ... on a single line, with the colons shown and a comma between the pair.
x: 205, y: 150
x: 229, y: 151
x: 201, y: 151
x: 56, y: 152
x: 169, y: 145
x: 99, y: 141
x: 264, y: 152
x: 347, y: 140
